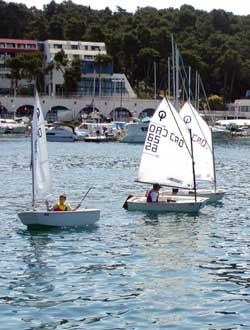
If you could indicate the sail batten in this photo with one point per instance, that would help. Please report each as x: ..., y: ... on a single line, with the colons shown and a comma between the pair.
x: 168, y: 140
x: 41, y: 182
x: 202, y: 143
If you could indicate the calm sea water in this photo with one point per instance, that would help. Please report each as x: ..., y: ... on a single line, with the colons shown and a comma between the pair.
x: 132, y: 271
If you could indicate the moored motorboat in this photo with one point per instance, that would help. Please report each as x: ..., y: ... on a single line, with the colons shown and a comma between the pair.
x: 91, y: 131
x: 136, y: 132
x: 101, y: 138
x: 12, y: 126
x: 59, y: 132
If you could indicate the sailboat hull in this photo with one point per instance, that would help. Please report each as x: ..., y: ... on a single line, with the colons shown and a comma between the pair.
x: 166, y: 204
x: 211, y: 195
x: 60, y: 219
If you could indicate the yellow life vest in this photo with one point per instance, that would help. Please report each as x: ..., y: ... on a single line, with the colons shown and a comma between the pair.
x: 62, y: 207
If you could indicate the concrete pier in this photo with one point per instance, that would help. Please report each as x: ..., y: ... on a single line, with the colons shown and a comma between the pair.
x: 105, y: 105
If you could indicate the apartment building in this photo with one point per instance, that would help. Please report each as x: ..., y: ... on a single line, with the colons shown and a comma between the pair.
x: 96, y: 80
x: 10, y: 48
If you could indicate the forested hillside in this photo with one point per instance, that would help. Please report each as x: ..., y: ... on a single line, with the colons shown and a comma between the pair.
x: 217, y: 44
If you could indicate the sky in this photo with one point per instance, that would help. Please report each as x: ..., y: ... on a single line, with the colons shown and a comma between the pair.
x: 238, y: 7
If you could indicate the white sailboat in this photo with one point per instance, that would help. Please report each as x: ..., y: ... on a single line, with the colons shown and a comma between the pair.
x: 167, y: 160
x: 203, y: 154
x: 41, y: 183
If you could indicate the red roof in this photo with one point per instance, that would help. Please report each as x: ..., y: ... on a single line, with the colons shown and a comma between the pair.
x: 19, y: 41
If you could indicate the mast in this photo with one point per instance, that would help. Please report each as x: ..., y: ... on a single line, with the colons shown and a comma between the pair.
x: 189, y: 83
x: 177, y: 80
x: 154, y: 80
x: 192, y: 153
x: 173, y: 66
x: 169, y: 74
x: 32, y: 166
x: 33, y: 151
x: 215, y: 181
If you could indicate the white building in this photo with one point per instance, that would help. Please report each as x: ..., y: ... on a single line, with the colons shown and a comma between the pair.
x: 95, y: 81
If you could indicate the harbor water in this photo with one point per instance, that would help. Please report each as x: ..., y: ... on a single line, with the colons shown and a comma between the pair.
x: 132, y: 270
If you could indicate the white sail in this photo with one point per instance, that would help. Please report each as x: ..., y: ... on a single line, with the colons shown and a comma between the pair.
x: 202, y: 143
x: 166, y: 157
x: 40, y: 165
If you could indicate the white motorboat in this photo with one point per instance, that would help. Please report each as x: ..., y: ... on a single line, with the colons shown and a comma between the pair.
x: 92, y: 131
x: 59, y: 132
x: 12, y: 126
x: 101, y: 138
x: 136, y: 132
x: 167, y: 159
x: 41, y: 184
x: 220, y: 132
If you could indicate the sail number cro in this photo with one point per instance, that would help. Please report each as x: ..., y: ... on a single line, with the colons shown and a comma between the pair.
x: 155, y: 133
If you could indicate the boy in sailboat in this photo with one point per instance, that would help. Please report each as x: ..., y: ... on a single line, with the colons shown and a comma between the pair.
x: 153, y: 194
x: 61, y: 205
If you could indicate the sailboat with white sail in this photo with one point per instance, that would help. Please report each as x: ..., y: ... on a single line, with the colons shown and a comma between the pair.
x: 41, y: 183
x: 203, y: 155
x: 167, y: 160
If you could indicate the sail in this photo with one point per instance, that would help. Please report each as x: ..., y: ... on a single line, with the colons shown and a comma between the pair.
x: 202, y: 143
x: 166, y: 157
x: 40, y: 165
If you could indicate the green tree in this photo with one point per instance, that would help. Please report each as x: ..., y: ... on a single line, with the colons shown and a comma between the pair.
x: 74, y: 28
x: 146, y: 57
x: 71, y: 70
x: 15, y: 66
x: 216, y: 102
x: 72, y: 75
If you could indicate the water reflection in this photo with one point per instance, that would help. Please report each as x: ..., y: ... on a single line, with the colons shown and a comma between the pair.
x: 135, y: 270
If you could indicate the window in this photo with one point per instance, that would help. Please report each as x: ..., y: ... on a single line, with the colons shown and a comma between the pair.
x: 21, y: 46
x: 74, y: 47
x: 95, y: 48
x: 2, y: 44
x: 88, y: 57
x: 58, y: 46
x: 31, y: 46
x: 11, y: 45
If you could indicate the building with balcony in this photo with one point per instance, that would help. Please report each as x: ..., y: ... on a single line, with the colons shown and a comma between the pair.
x: 10, y: 48
x: 96, y: 80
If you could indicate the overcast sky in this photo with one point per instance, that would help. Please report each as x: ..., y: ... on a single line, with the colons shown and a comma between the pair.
x: 238, y: 7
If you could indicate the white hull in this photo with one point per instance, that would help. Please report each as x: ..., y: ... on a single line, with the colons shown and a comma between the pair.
x: 60, y: 219
x: 136, y: 133
x: 98, y: 139
x: 60, y: 133
x: 166, y: 204
x: 220, y: 132
x: 211, y: 195
x: 54, y: 138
